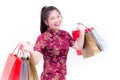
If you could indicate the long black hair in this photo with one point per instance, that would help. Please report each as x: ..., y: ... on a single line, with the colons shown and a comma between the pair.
x: 44, y: 16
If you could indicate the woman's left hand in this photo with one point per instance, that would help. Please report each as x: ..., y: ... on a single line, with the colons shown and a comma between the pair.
x: 81, y: 27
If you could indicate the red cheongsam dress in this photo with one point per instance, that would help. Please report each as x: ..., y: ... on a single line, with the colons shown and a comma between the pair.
x: 54, y: 46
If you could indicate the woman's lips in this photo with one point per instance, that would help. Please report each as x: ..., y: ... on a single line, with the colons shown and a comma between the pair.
x: 57, y: 25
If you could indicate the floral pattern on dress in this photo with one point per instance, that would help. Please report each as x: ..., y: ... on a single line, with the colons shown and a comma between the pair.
x: 54, y: 46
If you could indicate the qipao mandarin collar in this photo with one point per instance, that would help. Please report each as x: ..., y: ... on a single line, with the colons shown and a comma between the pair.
x: 54, y: 32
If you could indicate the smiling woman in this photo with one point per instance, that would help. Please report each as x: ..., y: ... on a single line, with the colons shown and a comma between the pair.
x: 53, y: 43
x: 20, y: 21
x: 50, y: 18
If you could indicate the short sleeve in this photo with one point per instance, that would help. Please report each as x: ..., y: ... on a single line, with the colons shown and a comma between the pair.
x: 71, y: 40
x: 40, y: 44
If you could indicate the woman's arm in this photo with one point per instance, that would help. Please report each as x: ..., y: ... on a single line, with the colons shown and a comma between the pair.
x: 35, y: 55
x: 80, y: 40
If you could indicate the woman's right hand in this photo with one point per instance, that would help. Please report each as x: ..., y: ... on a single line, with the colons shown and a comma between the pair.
x: 27, y: 46
x: 35, y: 55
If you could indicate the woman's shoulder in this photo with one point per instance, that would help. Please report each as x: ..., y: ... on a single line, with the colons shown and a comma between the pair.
x: 44, y: 35
x: 64, y: 31
x: 40, y: 36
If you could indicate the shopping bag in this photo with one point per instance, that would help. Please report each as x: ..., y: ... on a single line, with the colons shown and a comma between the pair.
x: 28, y: 70
x: 32, y: 72
x: 90, y: 48
x: 76, y: 34
x: 24, y: 69
x: 101, y: 43
x: 79, y: 52
x: 12, y: 67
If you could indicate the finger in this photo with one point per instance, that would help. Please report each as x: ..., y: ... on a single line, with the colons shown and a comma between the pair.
x: 80, y: 23
x: 28, y: 42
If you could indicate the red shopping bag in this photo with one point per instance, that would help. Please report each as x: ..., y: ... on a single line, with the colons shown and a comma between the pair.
x: 76, y: 34
x: 12, y: 67
x: 79, y: 52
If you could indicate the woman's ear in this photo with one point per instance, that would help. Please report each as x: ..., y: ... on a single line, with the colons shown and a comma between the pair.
x: 46, y: 22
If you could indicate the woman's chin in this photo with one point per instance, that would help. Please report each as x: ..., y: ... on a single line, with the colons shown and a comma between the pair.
x: 57, y: 27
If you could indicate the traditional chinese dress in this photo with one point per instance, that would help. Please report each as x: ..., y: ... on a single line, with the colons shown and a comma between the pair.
x: 54, y: 46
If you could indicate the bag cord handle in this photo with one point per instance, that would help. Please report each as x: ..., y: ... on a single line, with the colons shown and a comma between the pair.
x: 19, y: 46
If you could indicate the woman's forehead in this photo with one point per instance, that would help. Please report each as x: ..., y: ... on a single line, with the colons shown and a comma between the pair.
x: 54, y: 13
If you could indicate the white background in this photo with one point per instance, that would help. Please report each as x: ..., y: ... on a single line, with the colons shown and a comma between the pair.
x: 20, y: 20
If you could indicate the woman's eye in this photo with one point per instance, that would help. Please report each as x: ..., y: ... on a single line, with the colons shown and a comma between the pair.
x: 52, y: 18
x: 58, y: 16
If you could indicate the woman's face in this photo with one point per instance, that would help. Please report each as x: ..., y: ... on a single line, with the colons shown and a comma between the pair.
x: 54, y: 20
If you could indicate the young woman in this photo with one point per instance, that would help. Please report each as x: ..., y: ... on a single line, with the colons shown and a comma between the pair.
x: 53, y: 44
